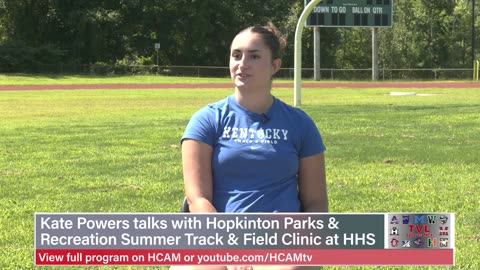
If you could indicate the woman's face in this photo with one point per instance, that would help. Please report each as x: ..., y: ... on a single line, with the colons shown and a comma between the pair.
x: 251, y: 63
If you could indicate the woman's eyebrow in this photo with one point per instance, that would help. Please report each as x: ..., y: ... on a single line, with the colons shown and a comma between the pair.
x: 250, y: 51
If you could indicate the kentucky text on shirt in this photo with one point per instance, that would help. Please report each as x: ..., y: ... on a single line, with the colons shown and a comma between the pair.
x: 261, y: 134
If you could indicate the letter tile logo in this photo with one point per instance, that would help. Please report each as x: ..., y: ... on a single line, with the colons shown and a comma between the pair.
x: 394, y: 231
x: 419, y: 219
x: 394, y: 242
x: 394, y: 220
x: 418, y: 228
x: 443, y: 242
x: 418, y: 242
x: 443, y: 231
x: 406, y: 219
x: 406, y: 243
x: 432, y: 219
x: 432, y: 242
x: 443, y: 219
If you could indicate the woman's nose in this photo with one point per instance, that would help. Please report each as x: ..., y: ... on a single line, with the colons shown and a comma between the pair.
x: 243, y: 62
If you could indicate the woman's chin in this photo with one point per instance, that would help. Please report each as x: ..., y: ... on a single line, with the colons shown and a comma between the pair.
x: 240, y: 84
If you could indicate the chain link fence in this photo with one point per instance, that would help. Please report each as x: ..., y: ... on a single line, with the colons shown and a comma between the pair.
x: 101, y: 69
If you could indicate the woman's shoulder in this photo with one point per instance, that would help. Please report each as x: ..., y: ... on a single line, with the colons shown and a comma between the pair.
x: 213, y: 108
x: 292, y: 111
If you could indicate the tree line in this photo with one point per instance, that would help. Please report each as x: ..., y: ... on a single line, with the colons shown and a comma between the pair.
x: 38, y: 33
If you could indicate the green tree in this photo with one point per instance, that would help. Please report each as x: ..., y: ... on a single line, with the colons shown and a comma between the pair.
x: 425, y: 34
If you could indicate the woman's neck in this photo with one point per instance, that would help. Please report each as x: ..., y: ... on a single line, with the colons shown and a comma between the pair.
x: 258, y: 102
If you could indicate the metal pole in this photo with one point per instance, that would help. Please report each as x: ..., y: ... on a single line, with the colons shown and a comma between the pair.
x: 316, y: 53
x: 374, y: 54
x: 157, y: 48
x: 473, y: 32
x: 297, y: 77
x: 476, y: 70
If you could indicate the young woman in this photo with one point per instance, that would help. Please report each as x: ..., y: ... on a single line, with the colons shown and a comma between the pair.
x: 251, y: 152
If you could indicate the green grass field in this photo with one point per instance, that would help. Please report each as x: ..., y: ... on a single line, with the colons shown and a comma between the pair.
x: 20, y: 79
x: 118, y: 151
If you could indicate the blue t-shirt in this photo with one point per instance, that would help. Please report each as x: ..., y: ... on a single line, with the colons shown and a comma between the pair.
x: 256, y: 157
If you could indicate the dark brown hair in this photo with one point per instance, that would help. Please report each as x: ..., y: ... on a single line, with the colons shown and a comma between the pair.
x: 272, y: 37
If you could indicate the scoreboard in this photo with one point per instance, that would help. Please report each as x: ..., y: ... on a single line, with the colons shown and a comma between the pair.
x: 351, y: 13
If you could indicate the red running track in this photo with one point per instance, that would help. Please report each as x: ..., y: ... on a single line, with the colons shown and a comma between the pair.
x: 228, y: 85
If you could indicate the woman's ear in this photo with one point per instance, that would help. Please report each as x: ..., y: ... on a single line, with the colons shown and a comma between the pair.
x: 277, y: 63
